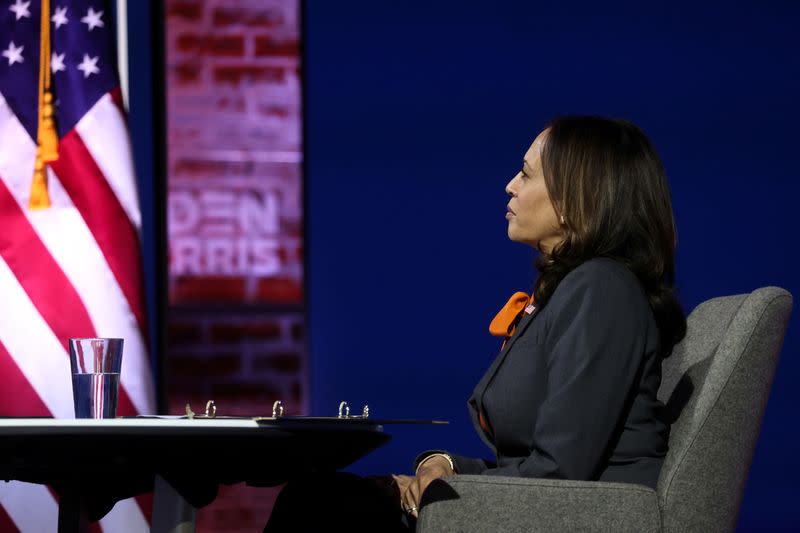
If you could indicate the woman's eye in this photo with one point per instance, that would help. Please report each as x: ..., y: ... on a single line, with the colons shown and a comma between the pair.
x: 524, y: 176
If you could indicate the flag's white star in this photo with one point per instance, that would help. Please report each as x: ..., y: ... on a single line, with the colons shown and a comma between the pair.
x: 92, y: 19
x: 14, y: 54
x: 60, y: 18
x: 57, y: 62
x: 89, y: 65
x: 20, y: 9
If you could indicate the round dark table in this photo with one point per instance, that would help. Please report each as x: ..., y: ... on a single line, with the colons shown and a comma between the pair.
x: 92, y: 464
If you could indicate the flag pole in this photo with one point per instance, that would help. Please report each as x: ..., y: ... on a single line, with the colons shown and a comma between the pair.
x: 122, y: 49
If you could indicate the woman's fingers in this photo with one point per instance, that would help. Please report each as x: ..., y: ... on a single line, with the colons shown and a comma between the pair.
x: 402, y: 481
x: 412, y: 500
x: 412, y: 487
x: 414, y: 493
x: 409, y: 494
x: 406, y: 499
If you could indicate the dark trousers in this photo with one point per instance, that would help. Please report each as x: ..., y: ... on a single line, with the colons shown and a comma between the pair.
x: 339, y: 501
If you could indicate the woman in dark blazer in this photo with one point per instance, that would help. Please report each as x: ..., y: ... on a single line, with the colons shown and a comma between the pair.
x: 572, y: 393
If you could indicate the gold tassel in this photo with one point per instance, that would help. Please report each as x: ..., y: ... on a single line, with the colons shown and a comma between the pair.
x: 46, y: 136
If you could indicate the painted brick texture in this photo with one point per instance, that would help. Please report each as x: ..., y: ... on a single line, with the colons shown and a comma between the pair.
x: 234, y: 119
x: 236, y: 328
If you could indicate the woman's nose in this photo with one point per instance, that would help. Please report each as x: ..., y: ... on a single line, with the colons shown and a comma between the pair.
x: 510, y: 185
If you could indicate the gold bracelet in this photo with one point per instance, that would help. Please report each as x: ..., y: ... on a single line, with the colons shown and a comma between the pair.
x: 447, y: 458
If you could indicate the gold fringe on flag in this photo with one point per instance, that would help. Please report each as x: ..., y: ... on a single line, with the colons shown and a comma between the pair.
x: 46, y: 136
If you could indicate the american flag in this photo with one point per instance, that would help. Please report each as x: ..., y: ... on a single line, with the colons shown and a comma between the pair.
x: 73, y: 268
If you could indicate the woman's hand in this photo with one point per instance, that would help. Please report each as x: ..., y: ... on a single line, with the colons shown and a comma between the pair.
x: 412, y: 487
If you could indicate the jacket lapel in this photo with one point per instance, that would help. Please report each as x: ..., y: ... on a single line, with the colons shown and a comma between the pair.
x: 476, y: 400
x: 521, y: 327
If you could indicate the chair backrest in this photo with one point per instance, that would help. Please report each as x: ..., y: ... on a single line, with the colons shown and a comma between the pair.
x: 715, y: 387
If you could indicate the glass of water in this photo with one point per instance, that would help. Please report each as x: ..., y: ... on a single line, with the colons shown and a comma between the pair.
x: 96, y: 364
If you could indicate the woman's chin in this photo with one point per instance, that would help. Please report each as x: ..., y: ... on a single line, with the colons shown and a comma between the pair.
x: 514, y: 236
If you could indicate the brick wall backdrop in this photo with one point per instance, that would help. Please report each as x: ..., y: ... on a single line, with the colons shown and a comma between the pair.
x: 236, y: 322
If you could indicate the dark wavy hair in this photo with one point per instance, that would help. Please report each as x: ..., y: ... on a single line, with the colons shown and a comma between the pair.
x: 606, y: 180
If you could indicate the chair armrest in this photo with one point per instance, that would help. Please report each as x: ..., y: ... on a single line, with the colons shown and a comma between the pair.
x: 487, y: 503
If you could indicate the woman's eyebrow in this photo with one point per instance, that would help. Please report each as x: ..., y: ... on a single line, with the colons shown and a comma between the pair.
x: 525, y: 164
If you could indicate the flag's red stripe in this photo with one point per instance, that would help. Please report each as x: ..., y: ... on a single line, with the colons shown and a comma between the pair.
x: 103, y: 213
x: 145, y: 502
x: 17, y: 396
x: 44, y: 282
x: 42, y: 278
x: 6, y: 524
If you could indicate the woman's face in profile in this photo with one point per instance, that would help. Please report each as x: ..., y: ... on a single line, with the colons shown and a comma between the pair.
x: 531, y: 216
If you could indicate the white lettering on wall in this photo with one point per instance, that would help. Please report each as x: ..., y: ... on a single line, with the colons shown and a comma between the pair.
x: 223, y: 232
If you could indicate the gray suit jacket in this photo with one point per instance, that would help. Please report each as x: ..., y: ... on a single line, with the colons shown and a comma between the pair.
x: 573, y: 393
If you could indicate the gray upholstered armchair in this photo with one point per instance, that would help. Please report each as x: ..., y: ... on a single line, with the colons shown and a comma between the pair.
x: 715, y: 388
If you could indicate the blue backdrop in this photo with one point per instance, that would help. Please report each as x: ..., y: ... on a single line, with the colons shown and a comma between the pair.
x: 419, y: 112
